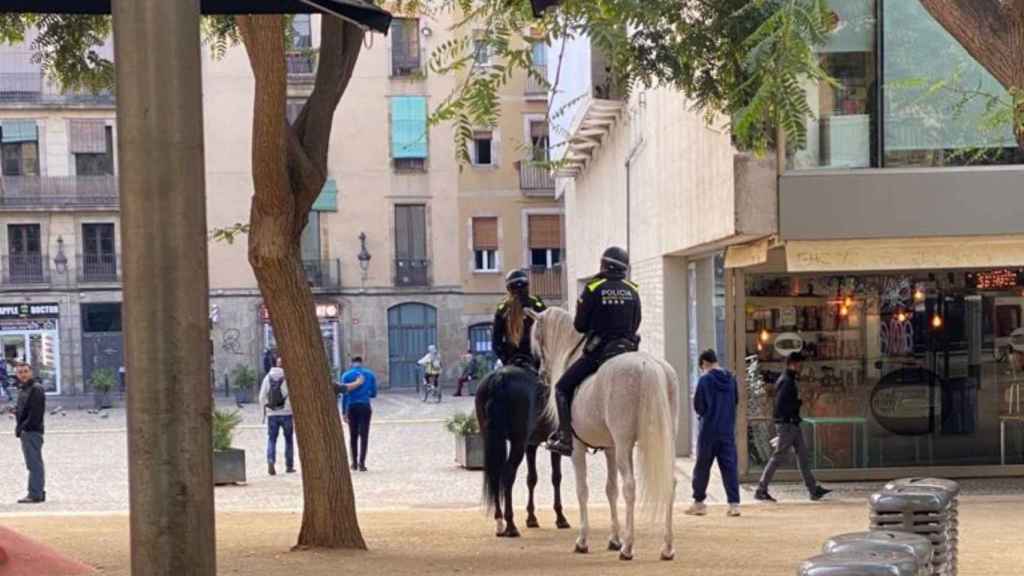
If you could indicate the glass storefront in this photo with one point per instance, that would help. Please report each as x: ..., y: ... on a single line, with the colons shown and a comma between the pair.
x: 328, y: 315
x: 903, y: 369
x: 905, y: 94
x: 29, y: 333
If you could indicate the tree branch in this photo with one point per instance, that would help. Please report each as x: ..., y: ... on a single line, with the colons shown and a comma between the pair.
x: 989, y: 30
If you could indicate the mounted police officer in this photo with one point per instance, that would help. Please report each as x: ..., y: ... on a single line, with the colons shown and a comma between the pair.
x: 512, y: 325
x: 608, y: 313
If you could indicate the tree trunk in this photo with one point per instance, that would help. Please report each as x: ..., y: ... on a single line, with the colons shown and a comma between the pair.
x: 289, y: 168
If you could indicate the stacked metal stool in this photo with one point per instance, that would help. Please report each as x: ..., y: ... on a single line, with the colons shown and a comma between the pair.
x: 927, y: 507
x: 861, y: 564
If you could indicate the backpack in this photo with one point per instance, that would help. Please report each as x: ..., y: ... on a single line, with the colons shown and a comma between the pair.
x: 276, y: 399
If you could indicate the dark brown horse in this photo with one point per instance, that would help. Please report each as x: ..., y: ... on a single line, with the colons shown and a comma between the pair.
x: 510, y: 407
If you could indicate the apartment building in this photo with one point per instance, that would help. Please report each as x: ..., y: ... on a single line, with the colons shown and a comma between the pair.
x: 404, y: 247
x: 890, y: 251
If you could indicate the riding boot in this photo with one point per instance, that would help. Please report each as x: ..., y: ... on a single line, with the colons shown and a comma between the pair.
x: 562, y: 444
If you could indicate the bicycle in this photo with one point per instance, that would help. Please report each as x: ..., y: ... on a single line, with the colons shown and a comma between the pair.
x: 431, y: 388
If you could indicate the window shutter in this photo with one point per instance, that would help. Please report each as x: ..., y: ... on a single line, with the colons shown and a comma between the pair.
x: 327, y: 201
x: 409, y: 127
x: 545, y: 231
x: 485, y: 233
x: 19, y: 131
x: 88, y: 136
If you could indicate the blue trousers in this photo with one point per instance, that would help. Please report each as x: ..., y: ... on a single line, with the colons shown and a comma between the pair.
x: 721, y: 448
x: 284, y: 424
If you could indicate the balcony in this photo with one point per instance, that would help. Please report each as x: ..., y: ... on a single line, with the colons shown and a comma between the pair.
x: 406, y: 63
x: 547, y: 283
x: 536, y: 89
x: 33, y: 88
x: 58, y: 192
x: 99, y: 269
x: 535, y: 179
x: 412, y: 272
x: 301, y: 65
x: 26, y: 269
x: 325, y: 274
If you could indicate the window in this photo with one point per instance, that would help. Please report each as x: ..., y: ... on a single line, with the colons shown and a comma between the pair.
x: 92, y: 143
x: 411, y: 264
x: 485, y: 245
x: 300, y: 58
x: 19, y: 148
x: 405, y: 46
x: 545, y: 240
x: 539, y: 141
x: 25, y: 256
x: 483, y: 148
x: 104, y: 317
x: 539, y: 55
x: 483, y: 52
x: 99, y: 254
x: 408, y: 127
x: 310, y: 241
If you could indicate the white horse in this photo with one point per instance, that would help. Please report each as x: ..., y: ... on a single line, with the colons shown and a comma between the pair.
x: 632, y: 401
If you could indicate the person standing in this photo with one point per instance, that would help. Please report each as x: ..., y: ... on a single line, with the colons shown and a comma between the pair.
x: 358, y: 387
x: 715, y: 404
x: 468, y: 372
x: 788, y: 433
x: 278, y: 409
x: 31, y: 410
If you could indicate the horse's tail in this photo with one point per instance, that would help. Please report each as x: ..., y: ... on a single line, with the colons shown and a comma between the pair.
x: 656, y: 442
x: 504, y: 398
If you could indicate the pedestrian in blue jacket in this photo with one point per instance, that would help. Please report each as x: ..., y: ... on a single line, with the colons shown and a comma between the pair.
x: 358, y: 388
x: 715, y: 403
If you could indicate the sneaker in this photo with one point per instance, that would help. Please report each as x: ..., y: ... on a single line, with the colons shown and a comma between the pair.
x: 32, y: 500
x: 764, y: 496
x: 697, y: 509
x: 819, y: 493
x: 290, y: 471
x: 271, y: 470
x: 362, y: 468
x: 734, y: 511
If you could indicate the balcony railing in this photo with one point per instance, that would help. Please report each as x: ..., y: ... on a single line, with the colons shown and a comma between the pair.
x: 411, y: 272
x: 534, y: 87
x: 535, y: 179
x: 323, y: 273
x: 50, y: 192
x: 35, y: 88
x: 301, y: 64
x: 99, y: 268
x: 547, y: 282
x: 26, y: 269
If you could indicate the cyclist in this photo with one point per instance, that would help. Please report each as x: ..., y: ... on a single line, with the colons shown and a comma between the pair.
x: 431, y: 364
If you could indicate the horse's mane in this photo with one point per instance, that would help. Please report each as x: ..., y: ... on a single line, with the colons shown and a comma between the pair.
x: 556, y: 342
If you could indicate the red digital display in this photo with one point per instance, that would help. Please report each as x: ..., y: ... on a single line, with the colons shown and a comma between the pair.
x: 997, y: 280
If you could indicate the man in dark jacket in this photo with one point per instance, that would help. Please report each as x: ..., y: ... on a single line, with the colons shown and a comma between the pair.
x: 715, y: 403
x: 608, y: 313
x: 29, y: 428
x: 788, y: 434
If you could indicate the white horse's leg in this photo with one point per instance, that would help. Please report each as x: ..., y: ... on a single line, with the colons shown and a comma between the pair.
x: 669, y: 551
x: 612, y: 491
x: 624, y: 460
x: 579, y: 464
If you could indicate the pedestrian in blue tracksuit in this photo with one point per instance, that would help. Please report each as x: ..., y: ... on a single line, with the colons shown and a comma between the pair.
x: 358, y: 387
x: 715, y: 403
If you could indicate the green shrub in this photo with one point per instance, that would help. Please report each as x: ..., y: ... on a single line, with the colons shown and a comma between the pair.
x: 462, y: 424
x: 103, y: 380
x: 224, y: 424
x: 243, y: 378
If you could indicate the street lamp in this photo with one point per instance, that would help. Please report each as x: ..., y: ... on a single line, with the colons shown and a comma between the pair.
x: 364, y: 257
x: 60, y: 261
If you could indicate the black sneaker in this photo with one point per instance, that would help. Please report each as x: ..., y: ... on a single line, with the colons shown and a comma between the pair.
x: 32, y: 500
x: 764, y: 496
x: 819, y: 493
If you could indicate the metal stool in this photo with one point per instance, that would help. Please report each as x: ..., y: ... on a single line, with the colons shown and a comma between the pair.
x: 919, y: 510
x: 902, y: 542
x: 862, y: 564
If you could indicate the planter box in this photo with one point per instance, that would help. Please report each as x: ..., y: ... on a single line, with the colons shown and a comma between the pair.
x: 103, y: 400
x: 228, y: 466
x: 469, y: 451
x: 243, y: 396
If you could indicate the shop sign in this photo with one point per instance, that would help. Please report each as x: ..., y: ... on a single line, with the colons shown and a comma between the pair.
x: 995, y: 280
x: 323, y: 312
x: 19, y: 311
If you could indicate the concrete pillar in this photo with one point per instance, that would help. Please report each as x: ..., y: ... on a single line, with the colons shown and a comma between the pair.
x: 676, y: 327
x: 163, y: 208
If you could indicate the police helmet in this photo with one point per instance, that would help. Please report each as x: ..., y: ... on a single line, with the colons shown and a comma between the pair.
x: 517, y: 279
x: 615, y: 259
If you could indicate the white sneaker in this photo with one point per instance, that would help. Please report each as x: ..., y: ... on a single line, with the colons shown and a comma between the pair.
x: 734, y: 511
x: 697, y: 509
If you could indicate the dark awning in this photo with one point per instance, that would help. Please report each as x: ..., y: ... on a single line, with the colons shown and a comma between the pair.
x: 356, y: 11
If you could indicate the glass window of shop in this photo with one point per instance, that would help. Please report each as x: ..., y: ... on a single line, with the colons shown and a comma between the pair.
x: 934, y: 106
x: 909, y: 369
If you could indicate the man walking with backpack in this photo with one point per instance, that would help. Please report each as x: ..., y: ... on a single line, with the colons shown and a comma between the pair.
x: 278, y: 409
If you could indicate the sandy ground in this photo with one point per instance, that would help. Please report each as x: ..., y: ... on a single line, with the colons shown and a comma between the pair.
x: 767, y: 541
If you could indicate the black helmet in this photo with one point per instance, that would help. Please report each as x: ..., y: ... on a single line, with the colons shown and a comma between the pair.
x: 517, y: 279
x: 615, y: 259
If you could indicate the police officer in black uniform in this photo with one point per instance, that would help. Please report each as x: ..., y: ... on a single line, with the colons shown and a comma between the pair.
x: 512, y: 326
x: 608, y: 313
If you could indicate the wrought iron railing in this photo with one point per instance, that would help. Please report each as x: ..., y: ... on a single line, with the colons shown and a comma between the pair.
x: 102, y: 268
x: 58, y: 192
x: 534, y: 86
x: 35, y: 88
x: 535, y: 178
x: 547, y: 282
x: 25, y: 269
x: 412, y: 272
x: 301, y: 63
x: 323, y: 273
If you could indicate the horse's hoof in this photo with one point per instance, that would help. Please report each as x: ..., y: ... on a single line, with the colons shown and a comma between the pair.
x: 614, y: 546
x: 582, y: 549
x: 532, y: 522
x: 500, y: 534
x: 511, y: 532
x: 563, y: 524
x: 668, y: 556
x: 625, y: 557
